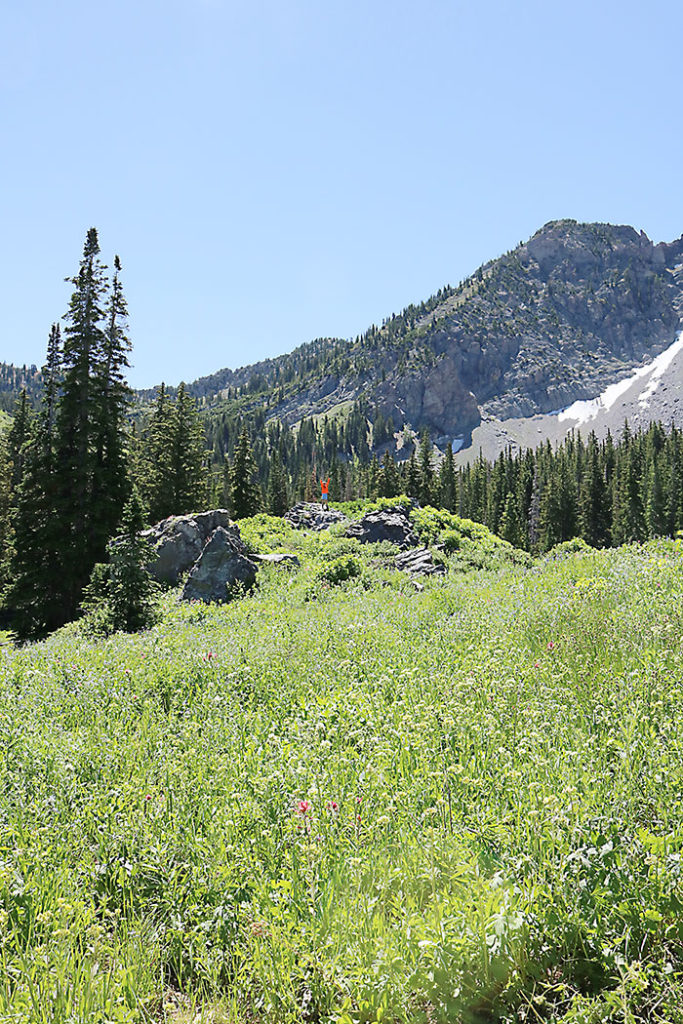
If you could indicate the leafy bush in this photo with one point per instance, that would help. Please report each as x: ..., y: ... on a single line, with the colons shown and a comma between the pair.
x: 338, y: 570
x: 361, y: 506
x: 575, y: 546
x: 264, y: 534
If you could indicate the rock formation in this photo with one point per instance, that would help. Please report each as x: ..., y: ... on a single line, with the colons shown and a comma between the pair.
x: 392, y: 525
x: 221, y: 571
x: 312, y: 516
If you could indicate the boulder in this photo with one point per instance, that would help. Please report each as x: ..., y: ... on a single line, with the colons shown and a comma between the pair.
x: 393, y: 525
x: 220, y: 570
x: 179, y: 541
x: 276, y: 558
x: 419, y: 562
x: 313, y: 516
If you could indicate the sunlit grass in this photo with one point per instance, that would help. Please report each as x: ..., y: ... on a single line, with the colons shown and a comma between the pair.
x: 354, y: 802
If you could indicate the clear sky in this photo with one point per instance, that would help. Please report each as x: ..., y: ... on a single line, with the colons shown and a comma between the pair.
x: 271, y: 172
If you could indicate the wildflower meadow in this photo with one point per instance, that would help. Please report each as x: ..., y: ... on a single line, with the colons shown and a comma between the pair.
x: 342, y: 798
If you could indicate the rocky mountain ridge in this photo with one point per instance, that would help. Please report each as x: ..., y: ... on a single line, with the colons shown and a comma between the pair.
x: 552, y: 322
x: 556, y: 320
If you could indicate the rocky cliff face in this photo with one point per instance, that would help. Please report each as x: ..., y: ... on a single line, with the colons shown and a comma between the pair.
x: 555, y: 320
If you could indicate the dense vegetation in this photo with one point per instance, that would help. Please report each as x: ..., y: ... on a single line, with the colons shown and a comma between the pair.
x: 340, y: 799
x: 343, y: 798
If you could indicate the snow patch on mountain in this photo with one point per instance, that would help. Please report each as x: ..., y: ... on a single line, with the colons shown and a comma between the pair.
x: 584, y: 411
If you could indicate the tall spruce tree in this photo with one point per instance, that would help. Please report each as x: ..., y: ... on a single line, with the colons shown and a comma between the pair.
x: 66, y: 502
x: 426, y: 487
x: 389, y: 480
x: 511, y: 528
x: 188, y: 455
x: 447, y: 482
x: 75, y: 451
x: 593, y: 521
x: 17, y: 437
x: 245, y: 496
x: 111, y: 398
x: 277, y: 500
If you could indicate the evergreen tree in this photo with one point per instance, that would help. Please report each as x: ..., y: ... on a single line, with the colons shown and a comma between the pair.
x: 628, y: 517
x: 534, y: 521
x: 550, y: 515
x: 593, y: 521
x: 277, y: 500
x: 389, y: 481
x: 447, y: 481
x: 123, y: 592
x: 510, y: 522
x: 187, y: 450
x: 111, y: 398
x: 656, y: 505
x: 81, y: 540
x: 17, y: 438
x: 425, y: 494
x: 66, y: 501
x: 245, y: 498
x: 5, y: 507
x: 412, y: 476
x: 155, y: 481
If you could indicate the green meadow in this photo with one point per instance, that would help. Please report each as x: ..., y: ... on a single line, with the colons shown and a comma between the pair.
x: 343, y: 798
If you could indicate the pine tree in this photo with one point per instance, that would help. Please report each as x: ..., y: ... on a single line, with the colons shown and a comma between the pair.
x: 534, y: 521
x: 123, y: 592
x: 389, y: 481
x: 412, y: 476
x: 17, y: 437
x: 245, y: 498
x: 656, y: 506
x: 425, y: 494
x: 155, y: 479
x: 593, y: 519
x: 447, y: 481
x: 111, y: 398
x: 187, y: 446
x: 277, y: 500
x: 75, y: 452
x: 510, y: 522
x: 5, y: 507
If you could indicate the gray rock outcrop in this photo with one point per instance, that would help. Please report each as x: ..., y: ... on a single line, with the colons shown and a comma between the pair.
x: 393, y: 526
x: 276, y: 558
x: 419, y: 562
x: 179, y: 541
x: 220, y: 570
x: 312, y: 516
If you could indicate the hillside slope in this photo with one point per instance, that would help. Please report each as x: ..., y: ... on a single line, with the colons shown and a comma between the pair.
x: 557, y: 320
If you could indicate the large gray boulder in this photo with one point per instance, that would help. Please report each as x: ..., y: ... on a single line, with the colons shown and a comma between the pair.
x: 375, y: 527
x: 419, y: 562
x: 179, y: 541
x: 221, y: 570
x: 308, y: 515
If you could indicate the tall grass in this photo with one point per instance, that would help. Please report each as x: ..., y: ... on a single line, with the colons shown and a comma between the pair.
x: 349, y: 801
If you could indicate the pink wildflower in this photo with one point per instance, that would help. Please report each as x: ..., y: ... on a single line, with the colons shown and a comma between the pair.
x: 303, y: 807
x: 551, y: 645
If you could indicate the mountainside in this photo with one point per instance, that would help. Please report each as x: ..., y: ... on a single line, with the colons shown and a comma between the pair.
x: 554, y: 321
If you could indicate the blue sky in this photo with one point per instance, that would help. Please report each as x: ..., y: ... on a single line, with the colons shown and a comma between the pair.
x: 274, y: 172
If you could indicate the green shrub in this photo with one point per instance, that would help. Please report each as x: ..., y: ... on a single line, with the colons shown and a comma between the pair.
x: 263, y: 534
x: 345, y: 567
x: 570, y: 547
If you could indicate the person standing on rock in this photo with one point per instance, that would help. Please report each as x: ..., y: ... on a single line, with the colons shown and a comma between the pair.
x: 324, y: 492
